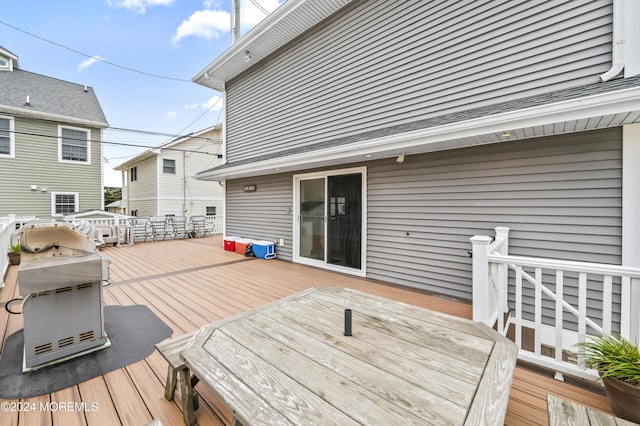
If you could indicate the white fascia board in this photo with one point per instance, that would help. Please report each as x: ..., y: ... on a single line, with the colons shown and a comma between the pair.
x: 592, y: 106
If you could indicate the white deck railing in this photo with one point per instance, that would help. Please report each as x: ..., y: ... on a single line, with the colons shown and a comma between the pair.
x: 7, y: 229
x: 554, y: 340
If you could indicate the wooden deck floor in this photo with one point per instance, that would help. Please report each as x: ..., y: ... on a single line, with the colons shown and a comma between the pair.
x: 190, y: 283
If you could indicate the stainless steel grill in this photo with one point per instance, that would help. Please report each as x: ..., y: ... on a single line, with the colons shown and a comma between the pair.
x: 60, y: 279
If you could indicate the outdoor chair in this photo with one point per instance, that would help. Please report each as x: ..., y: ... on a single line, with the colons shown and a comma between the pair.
x: 163, y: 226
x: 182, y: 229
x: 142, y: 228
x: 198, y: 226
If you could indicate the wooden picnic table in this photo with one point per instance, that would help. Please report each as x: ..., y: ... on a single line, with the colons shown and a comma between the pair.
x: 289, y: 362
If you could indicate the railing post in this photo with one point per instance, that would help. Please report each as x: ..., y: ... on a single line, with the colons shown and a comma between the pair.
x: 480, y: 288
x: 502, y: 234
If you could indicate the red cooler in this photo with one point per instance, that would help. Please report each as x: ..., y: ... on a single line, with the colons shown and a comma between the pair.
x: 230, y: 243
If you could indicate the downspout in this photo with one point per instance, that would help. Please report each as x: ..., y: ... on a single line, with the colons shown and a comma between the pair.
x: 617, y: 49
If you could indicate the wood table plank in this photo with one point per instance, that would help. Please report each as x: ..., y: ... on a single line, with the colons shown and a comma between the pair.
x: 287, y: 361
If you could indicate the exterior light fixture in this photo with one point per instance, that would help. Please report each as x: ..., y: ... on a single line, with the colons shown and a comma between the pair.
x: 247, y: 56
x: 400, y: 158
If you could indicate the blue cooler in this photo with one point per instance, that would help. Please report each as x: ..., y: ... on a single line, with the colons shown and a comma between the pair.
x: 264, y: 249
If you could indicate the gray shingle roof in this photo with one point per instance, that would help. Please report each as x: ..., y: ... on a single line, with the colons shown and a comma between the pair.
x: 49, y: 96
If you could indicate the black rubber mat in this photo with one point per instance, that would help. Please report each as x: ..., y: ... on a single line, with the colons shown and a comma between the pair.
x: 132, y: 330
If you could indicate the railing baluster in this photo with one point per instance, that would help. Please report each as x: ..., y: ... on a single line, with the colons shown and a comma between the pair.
x: 582, y: 311
x: 537, y: 344
x: 607, y: 291
x: 518, y: 329
x: 559, y: 314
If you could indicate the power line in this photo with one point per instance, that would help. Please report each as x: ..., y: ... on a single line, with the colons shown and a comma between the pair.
x: 96, y: 58
x: 103, y: 142
x: 262, y: 9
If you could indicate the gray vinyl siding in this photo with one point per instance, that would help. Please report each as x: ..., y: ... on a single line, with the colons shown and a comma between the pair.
x: 377, y: 64
x: 36, y: 163
x: 262, y: 215
x: 560, y: 196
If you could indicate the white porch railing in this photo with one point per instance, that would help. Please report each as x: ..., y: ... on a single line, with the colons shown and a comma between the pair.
x: 7, y: 229
x: 553, y: 343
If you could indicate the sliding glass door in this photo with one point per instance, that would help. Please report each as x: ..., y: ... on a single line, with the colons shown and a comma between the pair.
x: 329, y: 219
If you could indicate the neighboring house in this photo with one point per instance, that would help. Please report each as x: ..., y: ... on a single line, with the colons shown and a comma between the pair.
x: 382, y: 135
x: 161, y: 181
x: 115, y: 207
x: 50, y: 144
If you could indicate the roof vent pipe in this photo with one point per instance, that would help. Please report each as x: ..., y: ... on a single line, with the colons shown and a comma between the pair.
x: 617, y: 50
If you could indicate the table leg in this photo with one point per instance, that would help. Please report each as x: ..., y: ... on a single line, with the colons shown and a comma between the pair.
x: 187, y: 397
x: 170, y: 387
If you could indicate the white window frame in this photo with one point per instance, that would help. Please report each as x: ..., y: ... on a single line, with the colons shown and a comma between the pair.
x: 82, y: 129
x: 362, y: 272
x: 175, y: 166
x: 7, y: 61
x: 206, y: 211
x: 12, y: 138
x: 76, y: 199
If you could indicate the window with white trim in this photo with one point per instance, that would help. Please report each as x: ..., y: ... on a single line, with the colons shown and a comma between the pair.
x: 211, y: 211
x: 169, y: 166
x: 74, y: 145
x: 7, y: 148
x: 64, y: 202
x: 134, y: 173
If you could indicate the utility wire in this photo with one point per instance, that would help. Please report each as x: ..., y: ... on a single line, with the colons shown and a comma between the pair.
x: 117, y: 143
x: 259, y: 6
x: 96, y: 58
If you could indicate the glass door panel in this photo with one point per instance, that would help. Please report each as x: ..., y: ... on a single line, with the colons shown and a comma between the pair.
x: 312, y: 218
x: 344, y: 228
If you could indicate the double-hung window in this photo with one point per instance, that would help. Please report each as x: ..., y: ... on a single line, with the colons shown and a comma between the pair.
x: 7, y: 148
x: 74, y: 145
x: 64, y: 203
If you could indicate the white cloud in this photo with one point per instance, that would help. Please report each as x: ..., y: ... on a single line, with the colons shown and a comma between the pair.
x: 139, y: 6
x: 88, y: 62
x: 210, y: 22
x: 191, y: 106
x: 214, y: 103
x: 205, y: 24
x: 171, y: 114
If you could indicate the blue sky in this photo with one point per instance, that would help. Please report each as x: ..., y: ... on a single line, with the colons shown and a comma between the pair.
x: 170, y: 38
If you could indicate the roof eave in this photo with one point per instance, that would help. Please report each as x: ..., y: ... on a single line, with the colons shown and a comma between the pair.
x: 281, y: 26
x: 449, y: 136
x: 30, y: 113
